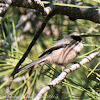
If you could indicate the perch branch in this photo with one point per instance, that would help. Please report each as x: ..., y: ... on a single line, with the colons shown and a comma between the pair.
x: 64, y: 73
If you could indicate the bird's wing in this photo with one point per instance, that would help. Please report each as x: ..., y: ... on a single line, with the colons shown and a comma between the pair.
x: 67, y: 41
x: 60, y: 44
x: 49, y: 50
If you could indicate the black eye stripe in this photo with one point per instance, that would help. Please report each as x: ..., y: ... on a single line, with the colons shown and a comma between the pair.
x: 77, y: 38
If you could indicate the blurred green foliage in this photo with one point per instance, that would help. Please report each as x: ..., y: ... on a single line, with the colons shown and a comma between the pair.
x: 78, y: 85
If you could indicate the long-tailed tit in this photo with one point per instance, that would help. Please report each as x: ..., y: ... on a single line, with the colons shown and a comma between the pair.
x: 61, y: 53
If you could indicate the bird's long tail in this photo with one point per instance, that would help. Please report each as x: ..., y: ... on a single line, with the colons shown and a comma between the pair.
x: 33, y: 64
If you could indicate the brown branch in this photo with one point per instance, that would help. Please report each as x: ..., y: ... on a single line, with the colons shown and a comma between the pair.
x: 74, y: 13
x: 89, y: 12
x: 32, y: 4
x: 64, y: 73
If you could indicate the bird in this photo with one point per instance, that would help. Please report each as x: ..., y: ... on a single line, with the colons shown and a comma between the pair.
x: 62, y: 52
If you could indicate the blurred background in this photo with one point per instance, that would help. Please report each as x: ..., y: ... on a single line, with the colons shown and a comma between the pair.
x: 19, y: 27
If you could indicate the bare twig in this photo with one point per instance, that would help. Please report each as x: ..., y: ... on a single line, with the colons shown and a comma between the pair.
x: 26, y: 54
x: 64, y: 73
x: 24, y: 19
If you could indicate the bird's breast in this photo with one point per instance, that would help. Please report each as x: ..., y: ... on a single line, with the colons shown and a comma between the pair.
x: 66, y: 55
